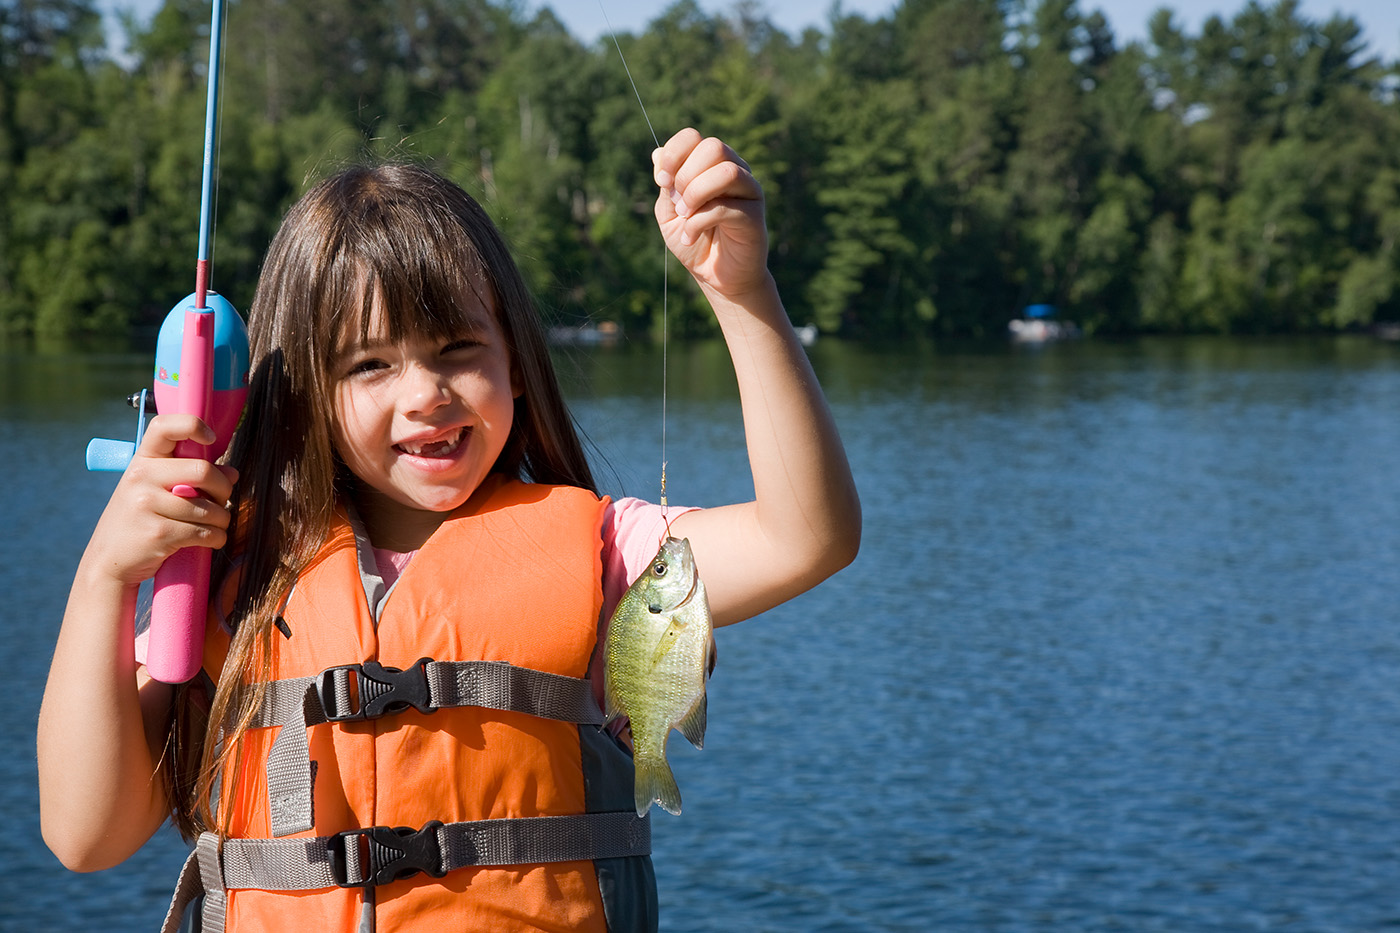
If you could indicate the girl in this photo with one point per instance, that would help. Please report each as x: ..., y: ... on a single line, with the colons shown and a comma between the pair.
x: 415, y: 565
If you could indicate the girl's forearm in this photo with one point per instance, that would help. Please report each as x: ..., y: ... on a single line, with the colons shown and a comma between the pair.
x: 805, y: 518
x: 101, y: 796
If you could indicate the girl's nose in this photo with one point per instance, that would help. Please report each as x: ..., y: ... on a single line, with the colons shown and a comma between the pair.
x: 424, y: 389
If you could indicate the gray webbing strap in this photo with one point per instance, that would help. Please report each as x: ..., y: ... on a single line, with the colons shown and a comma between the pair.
x: 291, y: 807
x: 532, y: 840
x: 201, y: 875
x: 189, y: 887
x: 297, y: 704
x: 500, y: 686
x: 308, y: 864
x: 341, y: 861
x: 206, y: 850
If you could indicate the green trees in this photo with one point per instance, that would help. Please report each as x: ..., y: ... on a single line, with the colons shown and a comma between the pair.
x: 1284, y: 148
x: 930, y: 172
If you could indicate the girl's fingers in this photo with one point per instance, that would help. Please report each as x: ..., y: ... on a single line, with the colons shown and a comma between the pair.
x: 711, y: 212
x: 158, y: 445
x: 689, y: 148
x: 692, y: 172
x: 724, y: 182
x: 205, y: 509
x: 165, y: 431
x: 706, y: 155
x: 148, y: 490
x: 705, y: 187
x: 147, y: 519
x: 730, y: 214
x: 144, y: 524
x: 668, y: 159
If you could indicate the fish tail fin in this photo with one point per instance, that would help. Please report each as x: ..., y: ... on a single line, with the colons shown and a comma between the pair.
x: 655, y: 782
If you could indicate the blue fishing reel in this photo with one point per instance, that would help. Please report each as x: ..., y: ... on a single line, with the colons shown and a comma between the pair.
x: 230, y: 381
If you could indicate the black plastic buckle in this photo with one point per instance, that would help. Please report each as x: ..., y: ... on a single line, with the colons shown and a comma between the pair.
x: 379, y: 690
x: 389, y: 852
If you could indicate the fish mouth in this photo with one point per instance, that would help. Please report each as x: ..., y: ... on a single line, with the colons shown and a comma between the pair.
x: 690, y: 594
x: 433, y: 448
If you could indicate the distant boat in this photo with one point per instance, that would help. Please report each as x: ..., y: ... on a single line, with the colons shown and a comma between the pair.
x: 1037, y: 325
x: 602, y: 334
x: 807, y: 334
x: 1386, y: 330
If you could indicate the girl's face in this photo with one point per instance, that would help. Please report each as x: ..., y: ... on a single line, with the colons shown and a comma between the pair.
x: 420, y: 423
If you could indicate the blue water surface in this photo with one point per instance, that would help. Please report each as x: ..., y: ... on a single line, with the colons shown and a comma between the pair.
x: 1119, y: 652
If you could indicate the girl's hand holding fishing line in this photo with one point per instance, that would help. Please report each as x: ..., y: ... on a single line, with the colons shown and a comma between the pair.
x: 711, y: 214
x: 804, y: 522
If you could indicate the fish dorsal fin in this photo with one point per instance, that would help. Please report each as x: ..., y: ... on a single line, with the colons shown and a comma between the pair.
x: 692, y: 725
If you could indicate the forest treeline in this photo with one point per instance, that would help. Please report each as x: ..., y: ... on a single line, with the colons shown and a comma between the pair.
x: 927, y: 173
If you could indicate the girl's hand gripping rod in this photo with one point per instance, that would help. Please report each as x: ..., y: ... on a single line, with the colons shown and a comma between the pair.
x: 208, y: 378
x: 202, y: 370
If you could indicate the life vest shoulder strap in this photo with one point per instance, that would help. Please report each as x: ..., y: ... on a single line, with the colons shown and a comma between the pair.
x: 354, y: 692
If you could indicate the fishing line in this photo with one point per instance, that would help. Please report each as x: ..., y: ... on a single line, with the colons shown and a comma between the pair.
x: 665, y: 264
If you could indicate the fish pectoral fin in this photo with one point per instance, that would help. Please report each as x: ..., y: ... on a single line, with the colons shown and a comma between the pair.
x: 612, y: 706
x: 692, y: 724
x: 611, y: 710
x: 667, y: 640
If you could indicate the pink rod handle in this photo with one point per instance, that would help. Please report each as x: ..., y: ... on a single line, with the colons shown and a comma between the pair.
x: 195, y: 392
x: 176, y: 647
x: 181, y: 600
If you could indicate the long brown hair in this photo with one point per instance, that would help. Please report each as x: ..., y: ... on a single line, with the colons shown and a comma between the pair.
x: 421, y: 245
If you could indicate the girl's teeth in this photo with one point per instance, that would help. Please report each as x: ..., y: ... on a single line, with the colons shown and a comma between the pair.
x: 433, y: 449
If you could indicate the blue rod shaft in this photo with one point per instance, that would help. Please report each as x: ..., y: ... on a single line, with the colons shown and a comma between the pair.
x: 211, y: 131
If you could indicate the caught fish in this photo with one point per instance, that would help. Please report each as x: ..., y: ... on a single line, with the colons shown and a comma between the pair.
x: 659, y: 652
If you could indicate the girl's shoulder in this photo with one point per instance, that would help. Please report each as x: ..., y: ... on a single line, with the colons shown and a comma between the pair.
x: 632, y: 531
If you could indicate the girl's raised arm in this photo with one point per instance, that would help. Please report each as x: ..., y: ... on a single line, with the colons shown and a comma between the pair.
x: 804, y: 523
x: 102, y: 723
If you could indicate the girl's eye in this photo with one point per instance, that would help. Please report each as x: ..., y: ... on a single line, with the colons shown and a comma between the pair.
x: 465, y: 343
x: 364, y: 366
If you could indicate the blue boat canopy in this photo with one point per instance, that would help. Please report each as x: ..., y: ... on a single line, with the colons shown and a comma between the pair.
x: 1038, y: 311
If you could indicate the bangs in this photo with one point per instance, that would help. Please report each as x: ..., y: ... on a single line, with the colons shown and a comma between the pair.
x: 397, y: 246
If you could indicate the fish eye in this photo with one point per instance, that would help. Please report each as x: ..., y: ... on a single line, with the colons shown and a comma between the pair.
x: 658, y: 569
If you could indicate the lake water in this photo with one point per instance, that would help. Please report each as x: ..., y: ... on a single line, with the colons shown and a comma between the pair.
x: 1120, y: 651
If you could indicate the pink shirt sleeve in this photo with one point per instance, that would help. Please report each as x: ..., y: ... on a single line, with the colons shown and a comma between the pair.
x: 632, y: 531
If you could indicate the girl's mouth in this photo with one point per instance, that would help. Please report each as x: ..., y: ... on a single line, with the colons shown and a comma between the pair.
x: 438, y: 449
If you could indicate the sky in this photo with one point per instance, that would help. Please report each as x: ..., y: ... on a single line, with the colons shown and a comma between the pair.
x: 1379, y: 19
x: 587, y: 19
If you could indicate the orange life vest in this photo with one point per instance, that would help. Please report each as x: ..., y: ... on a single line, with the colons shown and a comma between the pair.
x: 512, y: 576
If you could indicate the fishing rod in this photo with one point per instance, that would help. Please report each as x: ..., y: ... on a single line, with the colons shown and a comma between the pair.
x: 201, y: 369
